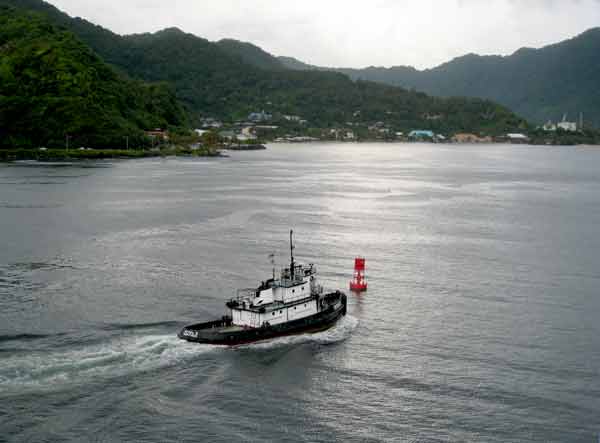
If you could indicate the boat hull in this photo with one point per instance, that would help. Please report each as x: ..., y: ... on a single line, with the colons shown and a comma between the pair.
x: 223, y: 332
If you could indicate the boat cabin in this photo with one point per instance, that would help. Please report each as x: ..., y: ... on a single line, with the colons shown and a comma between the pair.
x: 292, y: 296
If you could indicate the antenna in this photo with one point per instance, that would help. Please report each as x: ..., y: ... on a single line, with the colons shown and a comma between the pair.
x: 292, y: 253
x: 272, y: 260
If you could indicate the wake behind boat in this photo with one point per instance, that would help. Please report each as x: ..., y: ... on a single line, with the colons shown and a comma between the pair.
x: 292, y: 304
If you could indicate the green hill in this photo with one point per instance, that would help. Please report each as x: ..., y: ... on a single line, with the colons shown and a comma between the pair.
x: 228, y: 80
x: 250, y: 54
x: 540, y: 84
x: 52, y: 85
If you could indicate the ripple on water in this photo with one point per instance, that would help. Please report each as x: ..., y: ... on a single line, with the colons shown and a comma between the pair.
x: 117, y: 357
x: 50, y: 370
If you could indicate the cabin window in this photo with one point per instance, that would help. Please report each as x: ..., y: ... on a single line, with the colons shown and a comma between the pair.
x: 293, y: 291
x: 281, y: 312
x: 294, y: 308
x: 273, y: 313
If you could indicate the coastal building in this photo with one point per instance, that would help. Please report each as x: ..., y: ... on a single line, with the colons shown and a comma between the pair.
x: 376, y: 127
x: 248, y: 131
x: 563, y: 125
x: 201, y: 132
x: 211, y: 123
x: 158, y: 134
x: 245, y: 138
x: 470, y: 138
x: 227, y: 135
x: 420, y: 134
x: 517, y: 138
x: 259, y: 117
x: 567, y: 126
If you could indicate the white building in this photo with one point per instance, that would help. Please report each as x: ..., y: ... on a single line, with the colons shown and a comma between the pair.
x: 567, y: 126
x: 245, y: 138
x: 517, y: 138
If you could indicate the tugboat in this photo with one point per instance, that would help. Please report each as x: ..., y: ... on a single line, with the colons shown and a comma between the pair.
x: 292, y: 304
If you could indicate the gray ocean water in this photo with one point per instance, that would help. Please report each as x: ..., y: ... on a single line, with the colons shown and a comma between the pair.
x: 481, y: 323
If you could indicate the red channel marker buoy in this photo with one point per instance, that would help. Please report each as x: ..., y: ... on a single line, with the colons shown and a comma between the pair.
x: 359, y: 284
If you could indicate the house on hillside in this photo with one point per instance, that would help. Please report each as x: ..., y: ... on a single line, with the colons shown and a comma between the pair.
x: 211, y: 123
x: 201, y: 132
x: 158, y: 134
x: 258, y: 117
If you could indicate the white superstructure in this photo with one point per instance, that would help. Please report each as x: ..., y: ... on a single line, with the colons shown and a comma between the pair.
x: 293, y: 296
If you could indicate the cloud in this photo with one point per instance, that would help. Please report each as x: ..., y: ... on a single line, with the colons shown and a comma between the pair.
x: 423, y: 33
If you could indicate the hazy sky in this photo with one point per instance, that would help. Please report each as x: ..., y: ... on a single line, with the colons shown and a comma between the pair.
x: 349, y: 33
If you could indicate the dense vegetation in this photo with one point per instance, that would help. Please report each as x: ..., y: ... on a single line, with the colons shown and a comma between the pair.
x: 539, y: 84
x: 250, y: 54
x: 216, y: 79
x: 52, y: 87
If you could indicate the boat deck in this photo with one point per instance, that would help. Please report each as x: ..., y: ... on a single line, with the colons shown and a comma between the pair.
x: 234, y: 328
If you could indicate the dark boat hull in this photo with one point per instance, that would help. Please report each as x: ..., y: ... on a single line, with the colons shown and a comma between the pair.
x: 222, y: 332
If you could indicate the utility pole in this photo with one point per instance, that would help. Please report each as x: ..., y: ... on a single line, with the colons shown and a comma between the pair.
x: 68, y: 137
x: 127, y: 142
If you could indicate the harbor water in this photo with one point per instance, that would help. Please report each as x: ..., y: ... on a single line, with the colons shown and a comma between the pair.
x: 481, y: 322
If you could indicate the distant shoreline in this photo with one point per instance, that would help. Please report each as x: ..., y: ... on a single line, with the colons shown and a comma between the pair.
x: 403, y: 142
x: 62, y: 155
x: 53, y: 155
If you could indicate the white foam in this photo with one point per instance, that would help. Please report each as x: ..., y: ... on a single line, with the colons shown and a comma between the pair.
x: 114, y: 358
x: 130, y: 354
x: 339, y: 332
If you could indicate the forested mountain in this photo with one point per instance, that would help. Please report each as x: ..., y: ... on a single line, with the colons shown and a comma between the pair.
x: 213, y: 79
x: 251, y: 54
x: 53, y: 86
x: 539, y: 84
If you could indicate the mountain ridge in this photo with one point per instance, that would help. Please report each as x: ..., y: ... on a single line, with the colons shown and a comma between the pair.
x: 540, y: 84
x: 216, y: 82
x: 54, y: 88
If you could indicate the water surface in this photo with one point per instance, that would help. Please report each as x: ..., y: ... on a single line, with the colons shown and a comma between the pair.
x: 480, y: 324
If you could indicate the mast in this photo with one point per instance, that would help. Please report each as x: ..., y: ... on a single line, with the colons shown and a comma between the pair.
x: 292, y: 254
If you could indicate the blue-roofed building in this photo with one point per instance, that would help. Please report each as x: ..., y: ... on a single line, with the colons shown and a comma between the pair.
x: 421, y: 134
x: 259, y: 117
